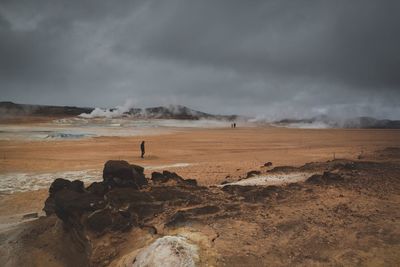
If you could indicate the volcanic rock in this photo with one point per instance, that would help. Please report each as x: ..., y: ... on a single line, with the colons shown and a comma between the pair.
x: 171, y: 178
x: 119, y: 173
x: 68, y: 203
x: 254, y: 193
x: 99, y: 220
x: 120, y: 197
x: 97, y: 188
x: 77, y: 186
x: 157, y: 177
x: 325, y: 178
x: 252, y: 173
x: 58, y: 184
x: 182, y: 216
x: 268, y: 164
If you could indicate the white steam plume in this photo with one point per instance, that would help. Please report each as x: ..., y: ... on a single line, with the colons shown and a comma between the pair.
x: 109, y: 113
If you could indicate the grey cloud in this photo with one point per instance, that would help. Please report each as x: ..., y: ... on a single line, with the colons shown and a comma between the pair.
x: 354, y: 42
x: 275, y: 58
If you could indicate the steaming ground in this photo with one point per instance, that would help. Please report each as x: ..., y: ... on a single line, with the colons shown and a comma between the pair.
x: 79, y: 128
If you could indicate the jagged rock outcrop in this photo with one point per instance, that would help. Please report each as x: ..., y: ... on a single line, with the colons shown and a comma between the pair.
x: 121, y: 201
x: 171, y: 178
x: 119, y: 173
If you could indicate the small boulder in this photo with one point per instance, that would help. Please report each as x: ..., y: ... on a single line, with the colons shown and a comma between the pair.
x: 252, y: 173
x: 268, y: 164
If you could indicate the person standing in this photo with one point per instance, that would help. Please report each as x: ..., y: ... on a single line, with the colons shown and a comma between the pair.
x: 142, y: 149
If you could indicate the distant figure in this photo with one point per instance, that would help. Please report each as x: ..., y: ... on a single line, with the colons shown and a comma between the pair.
x: 234, y: 125
x: 142, y: 149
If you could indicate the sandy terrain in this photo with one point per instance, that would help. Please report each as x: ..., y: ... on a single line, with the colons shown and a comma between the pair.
x: 345, y: 224
x: 212, y: 153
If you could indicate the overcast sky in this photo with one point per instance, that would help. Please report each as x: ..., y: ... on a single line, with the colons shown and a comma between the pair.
x: 267, y: 58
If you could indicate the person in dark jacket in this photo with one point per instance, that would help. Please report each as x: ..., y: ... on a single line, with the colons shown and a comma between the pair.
x: 142, y: 149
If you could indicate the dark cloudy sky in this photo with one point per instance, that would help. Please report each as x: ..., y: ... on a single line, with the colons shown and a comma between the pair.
x: 269, y: 58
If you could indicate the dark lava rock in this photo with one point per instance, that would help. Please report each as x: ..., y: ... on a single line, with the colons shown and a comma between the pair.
x: 123, y: 221
x: 204, y: 210
x: 284, y: 169
x: 118, y: 203
x: 97, y: 188
x: 295, y: 186
x: 99, y: 220
x: 252, y: 173
x: 120, y: 197
x: 77, y: 186
x: 254, y: 193
x: 167, y: 177
x: 58, y: 184
x: 325, y: 178
x: 191, y: 182
x: 69, y: 203
x: 157, y: 177
x: 146, y: 210
x: 137, y: 168
x: 349, y: 166
x: 237, y: 189
x: 182, y: 216
x: 174, y: 195
x: 268, y: 164
x: 119, y: 173
x: 49, y: 206
x: 168, y: 193
x: 178, y: 218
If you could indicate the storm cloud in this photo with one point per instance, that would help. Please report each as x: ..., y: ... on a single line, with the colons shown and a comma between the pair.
x: 272, y: 59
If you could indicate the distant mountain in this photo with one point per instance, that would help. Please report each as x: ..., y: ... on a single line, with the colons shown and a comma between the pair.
x: 368, y: 122
x: 176, y: 112
x: 10, y: 110
x: 324, y: 121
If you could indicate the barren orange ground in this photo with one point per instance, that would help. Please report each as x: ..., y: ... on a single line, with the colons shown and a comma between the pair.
x: 214, y: 153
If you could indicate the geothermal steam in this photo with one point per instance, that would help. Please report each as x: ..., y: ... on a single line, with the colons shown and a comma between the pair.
x: 109, y: 113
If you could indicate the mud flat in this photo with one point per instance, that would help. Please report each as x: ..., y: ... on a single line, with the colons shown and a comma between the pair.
x: 345, y: 214
x: 213, y: 154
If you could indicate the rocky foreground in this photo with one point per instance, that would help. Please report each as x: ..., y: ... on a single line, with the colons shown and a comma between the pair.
x: 346, y: 214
